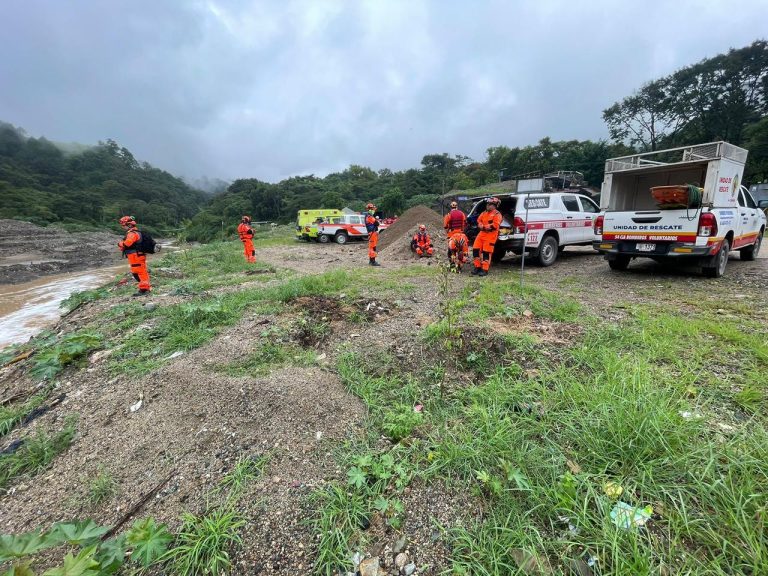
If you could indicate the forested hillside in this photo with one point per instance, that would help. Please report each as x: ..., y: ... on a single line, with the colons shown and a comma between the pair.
x: 45, y: 183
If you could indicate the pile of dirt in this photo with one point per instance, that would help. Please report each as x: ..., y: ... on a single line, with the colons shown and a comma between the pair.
x: 28, y: 251
x: 395, y: 241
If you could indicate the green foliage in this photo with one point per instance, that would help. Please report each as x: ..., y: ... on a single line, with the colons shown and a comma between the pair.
x: 400, y: 422
x: 35, y: 454
x: 102, y: 488
x: 90, y: 187
x: 246, y: 469
x: 149, y: 541
x: 18, y: 546
x: 53, y: 357
x: 83, y: 564
x: 203, y: 543
x: 77, y: 299
x: 76, y: 533
x: 11, y: 415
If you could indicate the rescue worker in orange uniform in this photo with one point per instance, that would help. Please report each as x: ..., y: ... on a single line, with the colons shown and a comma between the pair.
x: 246, y: 236
x: 421, y: 243
x: 488, y: 223
x: 137, y: 260
x: 455, y: 220
x: 372, y: 227
x: 458, y: 250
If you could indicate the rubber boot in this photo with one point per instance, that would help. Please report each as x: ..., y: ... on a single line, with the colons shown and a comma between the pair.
x: 482, y: 273
x: 373, y: 262
x: 476, y: 271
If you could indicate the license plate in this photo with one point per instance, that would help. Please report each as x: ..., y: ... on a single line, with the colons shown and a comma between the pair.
x: 646, y: 247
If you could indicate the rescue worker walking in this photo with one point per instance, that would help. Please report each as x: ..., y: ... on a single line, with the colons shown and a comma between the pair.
x: 488, y: 224
x: 246, y: 236
x: 421, y: 243
x: 138, y: 260
x: 372, y: 227
x: 458, y: 251
x: 455, y: 220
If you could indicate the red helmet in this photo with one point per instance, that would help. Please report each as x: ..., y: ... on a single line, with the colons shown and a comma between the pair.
x: 127, y: 221
x: 422, y: 228
x: 493, y: 200
x: 370, y: 207
x: 246, y: 219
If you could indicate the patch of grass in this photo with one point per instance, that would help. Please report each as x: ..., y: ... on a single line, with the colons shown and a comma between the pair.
x: 12, y: 415
x: 35, y: 454
x: 341, y: 514
x: 77, y: 299
x: 204, y: 542
x: 268, y: 356
x: 246, y: 469
x: 102, y: 488
x: 57, y: 353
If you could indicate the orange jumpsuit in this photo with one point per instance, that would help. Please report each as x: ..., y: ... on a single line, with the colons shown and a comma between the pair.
x: 458, y: 249
x: 372, y: 227
x: 454, y: 221
x: 136, y: 259
x: 246, y: 235
x: 482, y: 249
x: 422, y: 244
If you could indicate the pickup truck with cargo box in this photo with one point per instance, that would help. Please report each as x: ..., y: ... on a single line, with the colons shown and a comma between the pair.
x: 683, y: 204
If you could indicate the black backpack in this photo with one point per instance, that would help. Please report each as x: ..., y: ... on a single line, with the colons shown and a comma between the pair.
x: 146, y: 243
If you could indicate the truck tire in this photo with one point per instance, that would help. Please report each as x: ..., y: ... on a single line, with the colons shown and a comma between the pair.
x: 620, y: 263
x: 323, y: 238
x: 750, y: 252
x: 548, y: 250
x: 341, y: 238
x: 498, y: 254
x: 721, y: 261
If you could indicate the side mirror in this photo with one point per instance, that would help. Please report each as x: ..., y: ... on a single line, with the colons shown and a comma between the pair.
x: 762, y: 204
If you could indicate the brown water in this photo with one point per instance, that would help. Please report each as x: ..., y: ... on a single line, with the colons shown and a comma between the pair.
x: 26, y: 309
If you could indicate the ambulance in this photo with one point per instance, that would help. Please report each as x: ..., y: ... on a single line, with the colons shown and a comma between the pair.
x: 307, y: 221
x: 683, y: 204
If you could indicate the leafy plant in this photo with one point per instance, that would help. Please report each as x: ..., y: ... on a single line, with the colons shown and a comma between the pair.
x: 76, y: 533
x: 83, y: 564
x: 149, y: 541
x: 400, y: 422
x: 102, y: 488
x: 77, y: 299
x: 53, y: 358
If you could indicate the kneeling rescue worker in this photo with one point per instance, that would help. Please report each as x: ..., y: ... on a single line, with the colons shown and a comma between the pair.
x: 246, y: 236
x: 421, y: 243
x: 488, y: 224
x: 137, y: 259
x: 458, y: 251
x: 372, y: 227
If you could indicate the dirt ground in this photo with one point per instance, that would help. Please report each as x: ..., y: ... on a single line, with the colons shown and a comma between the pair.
x: 296, y: 414
x: 28, y: 251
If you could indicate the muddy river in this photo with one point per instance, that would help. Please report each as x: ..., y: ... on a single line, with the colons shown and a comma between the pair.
x: 26, y: 309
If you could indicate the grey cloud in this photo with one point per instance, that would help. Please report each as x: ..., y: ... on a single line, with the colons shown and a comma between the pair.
x: 273, y: 89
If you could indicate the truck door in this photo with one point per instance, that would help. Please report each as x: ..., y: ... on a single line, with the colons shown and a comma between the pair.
x: 590, y: 211
x: 747, y: 220
x: 573, y: 230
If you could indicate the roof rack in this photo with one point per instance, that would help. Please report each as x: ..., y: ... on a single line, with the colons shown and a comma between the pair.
x: 677, y: 156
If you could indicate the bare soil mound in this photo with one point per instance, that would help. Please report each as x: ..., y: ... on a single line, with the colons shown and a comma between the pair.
x: 395, y: 241
x: 28, y: 251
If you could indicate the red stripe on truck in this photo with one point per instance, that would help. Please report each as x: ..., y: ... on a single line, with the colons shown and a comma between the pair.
x: 659, y: 237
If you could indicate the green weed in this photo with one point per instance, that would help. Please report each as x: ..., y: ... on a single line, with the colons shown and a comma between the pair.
x: 102, y: 488
x: 77, y: 299
x: 54, y: 356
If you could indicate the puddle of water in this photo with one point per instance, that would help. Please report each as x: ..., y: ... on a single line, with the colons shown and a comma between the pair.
x: 26, y: 309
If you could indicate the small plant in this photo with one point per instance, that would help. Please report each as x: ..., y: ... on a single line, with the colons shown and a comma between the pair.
x: 149, y: 541
x: 35, y: 454
x: 246, y: 469
x: 77, y: 299
x: 102, y: 488
x: 203, y: 543
x: 401, y: 422
x: 54, y: 357
x: 10, y: 416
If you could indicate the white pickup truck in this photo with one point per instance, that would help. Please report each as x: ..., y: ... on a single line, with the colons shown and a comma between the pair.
x: 715, y: 215
x: 539, y: 223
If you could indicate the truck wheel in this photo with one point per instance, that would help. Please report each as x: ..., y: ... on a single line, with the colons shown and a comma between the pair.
x: 547, y: 251
x: 498, y: 255
x: 324, y: 238
x: 341, y: 238
x: 721, y: 261
x: 620, y: 263
x: 750, y: 252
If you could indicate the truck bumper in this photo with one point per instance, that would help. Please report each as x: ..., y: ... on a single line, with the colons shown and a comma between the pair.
x: 613, y: 248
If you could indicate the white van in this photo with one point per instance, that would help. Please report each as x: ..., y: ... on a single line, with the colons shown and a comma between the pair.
x: 714, y: 215
x: 552, y: 221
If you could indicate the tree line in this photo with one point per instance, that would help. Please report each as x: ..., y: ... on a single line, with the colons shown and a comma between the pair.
x: 82, y: 187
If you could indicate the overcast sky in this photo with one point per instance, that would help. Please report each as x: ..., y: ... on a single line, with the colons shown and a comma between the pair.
x: 278, y: 88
